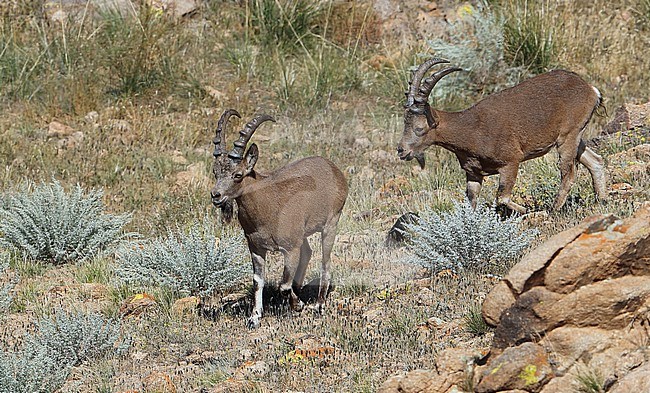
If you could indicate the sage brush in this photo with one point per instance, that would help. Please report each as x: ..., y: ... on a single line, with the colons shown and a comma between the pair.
x: 74, y: 337
x: 192, y: 262
x: 51, y: 225
x: 60, y: 342
x: 465, y: 239
x: 5, y: 289
x: 476, y: 43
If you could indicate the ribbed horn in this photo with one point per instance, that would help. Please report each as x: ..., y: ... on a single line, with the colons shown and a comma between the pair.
x: 416, y: 79
x: 418, y: 94
x: 426, y: 86
x: 245, y: 135
x: 223, y: 121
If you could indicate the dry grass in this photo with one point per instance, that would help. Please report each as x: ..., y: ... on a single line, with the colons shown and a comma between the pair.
x: 336, y: 94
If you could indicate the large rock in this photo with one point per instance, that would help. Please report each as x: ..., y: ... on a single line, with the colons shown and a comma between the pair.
x: 636, y: 381
x: 530, y: 271
x: 610, y: 304
x: 614, y: 252
x: 524, y: 367
x: 579, y: 303
x: 417, y: 381
x: 629, y: 116
x: 522, y: 322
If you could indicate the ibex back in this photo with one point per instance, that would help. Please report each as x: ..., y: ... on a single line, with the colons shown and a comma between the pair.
x: 495, y: 135
x: 280, y: 210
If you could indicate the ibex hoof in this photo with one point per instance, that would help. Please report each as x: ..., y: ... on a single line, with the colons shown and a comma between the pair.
x: 317, y: 308
x: 297, y: 306
x: 253, y: 322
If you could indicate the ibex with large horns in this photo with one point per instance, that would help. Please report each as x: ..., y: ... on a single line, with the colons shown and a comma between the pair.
x: 504, y: 129
x: 279, y: 210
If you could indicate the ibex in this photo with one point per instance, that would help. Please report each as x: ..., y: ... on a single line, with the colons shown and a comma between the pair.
x: 504, y: 129
x: 278, y: 211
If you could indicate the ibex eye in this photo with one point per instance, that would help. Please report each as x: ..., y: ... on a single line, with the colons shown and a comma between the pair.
x: 237, y: 176
x: 420, y: 131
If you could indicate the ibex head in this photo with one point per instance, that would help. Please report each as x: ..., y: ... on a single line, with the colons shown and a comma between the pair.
x: 230, y: 169
x: 419, y: 118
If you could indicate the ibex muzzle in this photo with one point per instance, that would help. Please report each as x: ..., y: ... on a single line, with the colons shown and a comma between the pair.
x: 278, y: 211
x: 499, y: 132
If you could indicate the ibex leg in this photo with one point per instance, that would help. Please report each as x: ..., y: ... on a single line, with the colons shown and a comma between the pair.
x: 596, y: 167
x: 327, y: 241
x: 568, y: 164
x: 474, y: 184
x: 305, y: 256
x: 258, y: 288
x: 291, y: 261
x: 507, y: 179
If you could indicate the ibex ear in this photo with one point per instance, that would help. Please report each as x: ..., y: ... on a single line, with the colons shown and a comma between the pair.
x: 251, y: 158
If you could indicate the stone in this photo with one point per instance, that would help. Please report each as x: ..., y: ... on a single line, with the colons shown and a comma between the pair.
x: 524, y: 367
x: 627, y: 117
x: 58, y: 130
x: 158, y: 382
x: 562, y: 384
x: 498, y: 300
x: 616, y: 250
x: 529, y: 271
x: 637, y: 380
x: 417, y: 381
x: 521, y: 322
x: 176, y: 8
x: 457, y: 363
x: 135, y: 305
x: 185, y: 306
x: 92, y: 117
x: 568, y: 344
x: 609, y: 304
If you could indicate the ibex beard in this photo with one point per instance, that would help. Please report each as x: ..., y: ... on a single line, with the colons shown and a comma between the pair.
x: 278, y: 211
x: 504, y: 129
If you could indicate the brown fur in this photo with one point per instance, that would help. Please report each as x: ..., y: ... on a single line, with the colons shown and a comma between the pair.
x: 278, y: 211
x: 499, y: 132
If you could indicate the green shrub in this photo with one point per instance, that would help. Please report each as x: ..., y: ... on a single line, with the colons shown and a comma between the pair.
x: 141, y: 52
x: 5, y: 290
x: 589, y: 381
x: 474, y: 322
x: 37, y: 373
x: 529, y: 36
x: 60, y: 342
x: 48, y: 224
x: 192, y: 262
x: 288, y: 24
x: 74, y: 337
x: 476, y: 43
x: 465, y: 239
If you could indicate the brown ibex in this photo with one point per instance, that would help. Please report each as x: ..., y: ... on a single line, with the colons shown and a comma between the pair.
x: 278, y: 211
x: 504, y: 129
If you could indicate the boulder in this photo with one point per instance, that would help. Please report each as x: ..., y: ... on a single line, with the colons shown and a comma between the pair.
x: 521, y: 322
x: 524, y: 367
x: 568, y: 345
x: 416, y: 381
x: 610, y: 304
x: 577, y: 305
x: 627, y: 117
x: 636, y: 381
x: 616, y: 251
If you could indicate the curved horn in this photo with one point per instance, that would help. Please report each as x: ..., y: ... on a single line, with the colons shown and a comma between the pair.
x: 245, y: 135
x: 223, y: 121
x: 427, y: 85
x: 418, y: 94
x: 417, y: 76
